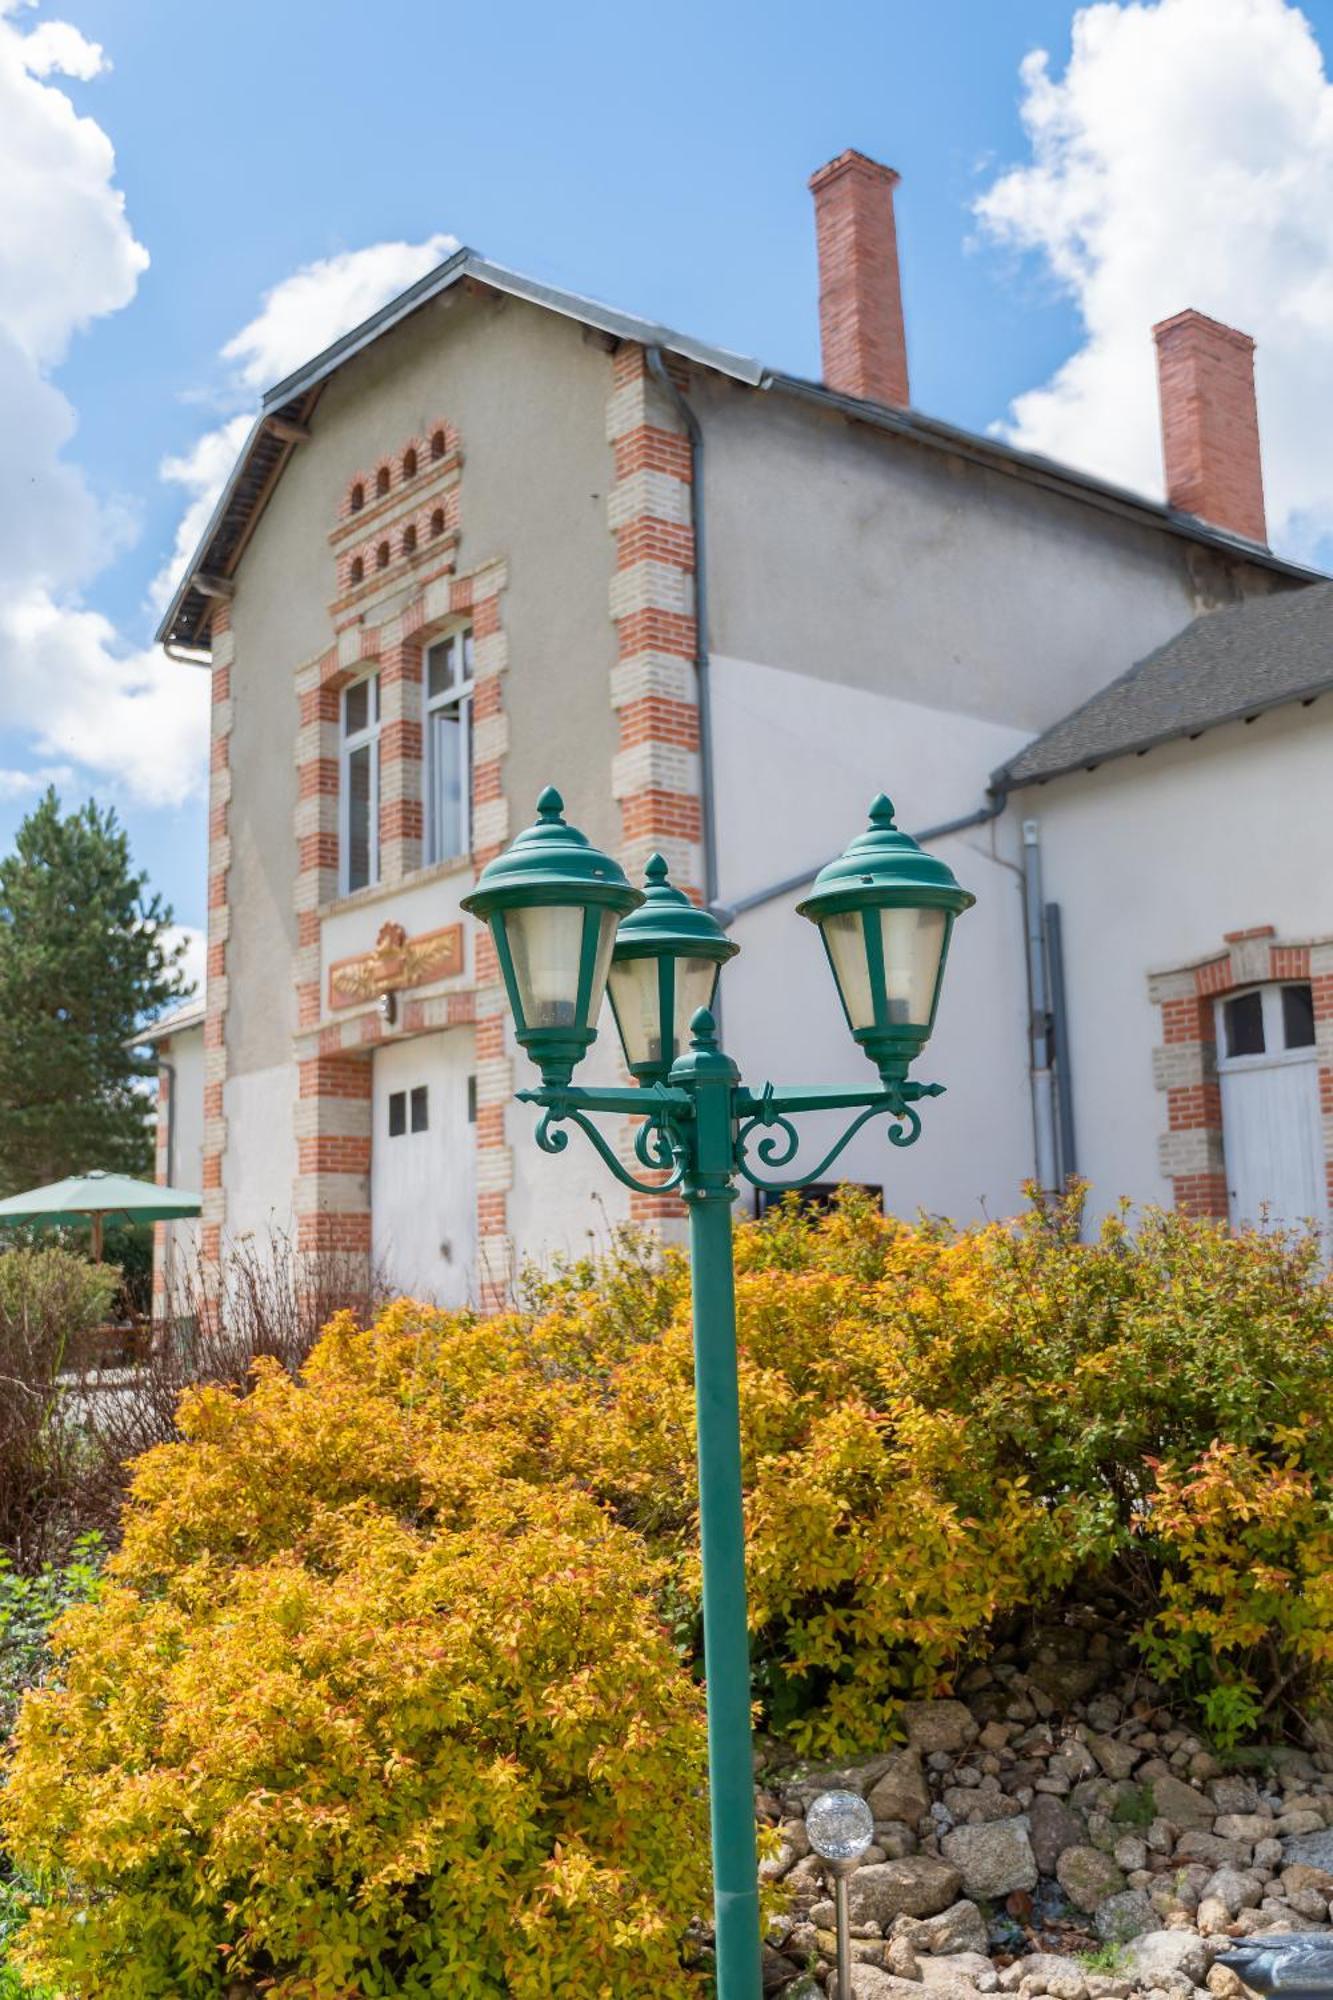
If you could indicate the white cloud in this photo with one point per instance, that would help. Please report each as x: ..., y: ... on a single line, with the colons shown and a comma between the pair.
x: 1183, y: 158
x: 32, y: 783
x: 68, y: 681
x: 196, y: 953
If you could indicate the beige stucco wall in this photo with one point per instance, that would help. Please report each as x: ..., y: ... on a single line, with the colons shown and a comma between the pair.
x: 528, y: 396
x: 842, y: 552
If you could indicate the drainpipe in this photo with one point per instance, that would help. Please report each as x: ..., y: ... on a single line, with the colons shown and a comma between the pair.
x: 657, y: 368
x: 1039, y: 1026
x: 727, y: 913
x: 168, y: 1070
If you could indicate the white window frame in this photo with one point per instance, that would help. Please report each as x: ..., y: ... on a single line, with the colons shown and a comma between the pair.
x: 457, y: 695
x: 348, y: 744
x: 1275, y: 1046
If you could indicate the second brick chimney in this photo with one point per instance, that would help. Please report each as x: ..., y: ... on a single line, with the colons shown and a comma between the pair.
x: 861, y: 332
x: 1210, y: 423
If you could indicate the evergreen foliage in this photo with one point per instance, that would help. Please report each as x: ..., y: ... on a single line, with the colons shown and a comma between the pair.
x: 84, y: 961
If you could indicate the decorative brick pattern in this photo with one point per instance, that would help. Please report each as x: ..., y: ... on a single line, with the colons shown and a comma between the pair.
x: 1210, y: 423
x: 655, y: 774
x: 1191, y: 1149
x: 213, y: 1211
x: 862, y: 337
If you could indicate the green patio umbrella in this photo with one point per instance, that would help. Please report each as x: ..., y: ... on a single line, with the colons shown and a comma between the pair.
x: 94, y: 1196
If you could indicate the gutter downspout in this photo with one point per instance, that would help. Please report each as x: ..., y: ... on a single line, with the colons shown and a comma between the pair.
x: 657, y: 368
x: 168, y: 1070
x: 727, y: 913
x: 1039, y: 1023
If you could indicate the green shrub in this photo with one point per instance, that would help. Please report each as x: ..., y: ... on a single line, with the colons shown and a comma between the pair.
x: 386, y: 1657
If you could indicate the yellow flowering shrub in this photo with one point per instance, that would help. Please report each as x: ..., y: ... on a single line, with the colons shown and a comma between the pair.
x: 393, y: 1684
x: 357, y: 1714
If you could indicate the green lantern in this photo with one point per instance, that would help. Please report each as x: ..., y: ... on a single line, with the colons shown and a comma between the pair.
x: 667, y: 957
x: 886, y: 911
x: 553, y: 902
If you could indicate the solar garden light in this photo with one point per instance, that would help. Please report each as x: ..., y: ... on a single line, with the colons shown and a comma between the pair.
x: 840, y: 1827
x: 566, y: 921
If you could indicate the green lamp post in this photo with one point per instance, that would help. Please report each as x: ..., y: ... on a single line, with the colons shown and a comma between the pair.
x: 567, y: 924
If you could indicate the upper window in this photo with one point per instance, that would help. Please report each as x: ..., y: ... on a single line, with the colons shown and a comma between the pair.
x: 449, y: 747
x: 1267, y: 1021
x: 359, y: 786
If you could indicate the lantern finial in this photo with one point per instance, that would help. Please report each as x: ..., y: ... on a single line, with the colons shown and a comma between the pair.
x: 881, y: 814
x: 550, y: 806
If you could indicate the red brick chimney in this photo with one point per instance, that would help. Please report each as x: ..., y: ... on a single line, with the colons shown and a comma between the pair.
x: 1210, y: 423
x: 860, y: 302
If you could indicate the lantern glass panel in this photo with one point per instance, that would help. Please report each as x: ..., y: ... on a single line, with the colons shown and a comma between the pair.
x: 546, y: 945
x: 636, y: 995
x: 912, y: 941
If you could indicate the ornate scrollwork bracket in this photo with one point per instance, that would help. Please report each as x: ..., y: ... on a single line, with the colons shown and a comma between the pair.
x: 660, y: 1144
x: 773, y: 1112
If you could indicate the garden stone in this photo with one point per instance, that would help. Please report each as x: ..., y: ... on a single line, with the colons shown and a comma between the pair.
x: 901, y: 1793
x: 1123, y: 1916
x: 1088, y: 1876
x: 938, y: 1725
x: 807, y: 1987
x: 1130, y: 1853
x: 993, y: 1860
x: 1234, y: 1795
x: 900, y: 1959
x: 1182, y: 1805
x: 918, y: 1885
x: 1314, y: 1848
x: 1247, y: 1827
x: 1195, y: 1846
x: 946, y: 1971
x: 959, y: 1928
x: 1052, y: 1827
x: 987, y: 1803
x: 776, y: 1971
x: 893, y: 1840
x: 1237, y: 1890
x: 1156, y: 1956
x: 1116, y: 1759
x: 1300, y: 1819
x: 1212, y: 1916
x: 1300, y: 1875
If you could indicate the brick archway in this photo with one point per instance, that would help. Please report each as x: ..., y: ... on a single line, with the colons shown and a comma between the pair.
x: 1191, y: 1150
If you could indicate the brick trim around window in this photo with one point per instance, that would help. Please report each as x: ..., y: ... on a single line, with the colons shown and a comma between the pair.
x: 1191, y: 1150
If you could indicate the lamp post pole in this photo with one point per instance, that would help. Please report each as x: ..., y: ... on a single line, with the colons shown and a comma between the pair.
x: 709, y: 1189
x: 565, y: 920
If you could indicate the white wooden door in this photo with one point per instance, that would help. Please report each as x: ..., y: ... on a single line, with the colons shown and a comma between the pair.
x: 1272, y: 1132
x: 423, y: 1204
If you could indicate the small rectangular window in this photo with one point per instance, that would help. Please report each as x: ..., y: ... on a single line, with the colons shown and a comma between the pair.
x: 1244, y: 1017
x: 419, y: 1108
x: 1298, y: 1017
x: 472, y: 1100
x: 397, y: 1113
x: 449, y: 747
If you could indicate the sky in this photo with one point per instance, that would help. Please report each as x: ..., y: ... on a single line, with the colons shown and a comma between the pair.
x: 197, y: 199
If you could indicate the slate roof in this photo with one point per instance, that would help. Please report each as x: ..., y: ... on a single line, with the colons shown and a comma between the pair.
x: 288, y: 407
x: 1225, y: 667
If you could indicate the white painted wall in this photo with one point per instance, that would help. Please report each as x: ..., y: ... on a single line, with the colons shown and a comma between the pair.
x: 259, y: 1166
x: 1152, y: 860
x: 798, y: 762
x: 423, y: 1184
x: 185, y: 1053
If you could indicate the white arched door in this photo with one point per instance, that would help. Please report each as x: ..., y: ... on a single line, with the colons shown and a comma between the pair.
x: 1272, y: 1132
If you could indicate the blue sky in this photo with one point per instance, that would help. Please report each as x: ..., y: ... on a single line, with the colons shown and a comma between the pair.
x: 658, y: 160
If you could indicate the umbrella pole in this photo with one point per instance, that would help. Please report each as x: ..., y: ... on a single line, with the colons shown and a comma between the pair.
x: 97, y: 1239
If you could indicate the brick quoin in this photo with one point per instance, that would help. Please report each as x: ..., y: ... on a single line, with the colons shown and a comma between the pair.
x: 1210, y: 423
x: 862, y: 337
x: 1289, y: 962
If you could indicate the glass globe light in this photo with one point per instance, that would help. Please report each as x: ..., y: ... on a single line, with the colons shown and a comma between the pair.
x: 840, y: 1826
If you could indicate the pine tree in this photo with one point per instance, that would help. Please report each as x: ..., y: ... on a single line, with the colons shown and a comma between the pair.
x: 84, y: 962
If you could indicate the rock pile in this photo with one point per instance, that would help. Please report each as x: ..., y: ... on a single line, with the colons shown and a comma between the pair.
x: 1088, y: 1850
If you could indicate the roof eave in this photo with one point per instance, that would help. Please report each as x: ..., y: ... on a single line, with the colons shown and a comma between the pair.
x: 1007, y: 780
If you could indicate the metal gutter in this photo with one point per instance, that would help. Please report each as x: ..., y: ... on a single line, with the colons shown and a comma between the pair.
x: 727, y: 913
